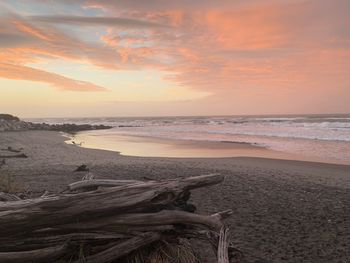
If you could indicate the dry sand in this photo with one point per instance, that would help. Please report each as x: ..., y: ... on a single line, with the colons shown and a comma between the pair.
x: 284, y: 211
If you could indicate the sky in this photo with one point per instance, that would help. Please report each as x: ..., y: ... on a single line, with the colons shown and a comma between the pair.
x: 87, y: 58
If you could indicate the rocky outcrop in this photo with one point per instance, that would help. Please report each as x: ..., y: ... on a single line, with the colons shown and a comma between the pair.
x: 12, y: 123
x: 8, y: 117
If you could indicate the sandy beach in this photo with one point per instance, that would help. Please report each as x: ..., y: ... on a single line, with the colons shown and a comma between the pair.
x: 131, y: 130
x: 284, y: 211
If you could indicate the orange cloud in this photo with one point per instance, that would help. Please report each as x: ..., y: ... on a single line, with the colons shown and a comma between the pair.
x: 211, y: 46
x: 27, y: 28
x: 256, y: 28
x: 48, y: 43
x: 12, y: 71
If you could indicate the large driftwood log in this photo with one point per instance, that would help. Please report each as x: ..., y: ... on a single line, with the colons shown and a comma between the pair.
x: 111, y: 217
x: 38, y: 255
x: 94, y: 184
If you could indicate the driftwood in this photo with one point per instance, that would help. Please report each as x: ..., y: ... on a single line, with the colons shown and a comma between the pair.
x: 10, y: 149
x: 223, y: 246
x: 8, y: 197
x: 22, y: 155
x: 107, y: 220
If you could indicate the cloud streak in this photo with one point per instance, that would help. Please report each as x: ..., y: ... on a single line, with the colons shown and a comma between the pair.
x: 10, y: 40
x: 18, y: 72
x: 98, y: 21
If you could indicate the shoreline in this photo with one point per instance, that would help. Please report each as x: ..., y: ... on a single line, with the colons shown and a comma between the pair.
x: 284, y: 210
x: 147, y: 146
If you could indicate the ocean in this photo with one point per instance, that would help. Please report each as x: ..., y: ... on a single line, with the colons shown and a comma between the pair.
x: 323, y: 138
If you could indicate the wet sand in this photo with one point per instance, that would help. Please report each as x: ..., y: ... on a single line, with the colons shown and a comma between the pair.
x: 284, y: 211
x: 132, y: 145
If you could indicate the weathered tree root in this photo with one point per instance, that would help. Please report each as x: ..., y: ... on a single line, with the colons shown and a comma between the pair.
x: 110, y: 218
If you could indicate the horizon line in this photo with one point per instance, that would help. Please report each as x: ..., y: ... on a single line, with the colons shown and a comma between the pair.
x: 188, y: 116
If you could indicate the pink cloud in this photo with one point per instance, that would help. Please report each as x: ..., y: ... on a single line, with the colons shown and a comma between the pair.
x: 12, y: 71
x: 207, y: 45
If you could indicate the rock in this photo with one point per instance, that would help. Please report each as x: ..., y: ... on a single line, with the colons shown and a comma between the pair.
x: 12, y: 123
x: 82, y: 168
x: 8, y: 117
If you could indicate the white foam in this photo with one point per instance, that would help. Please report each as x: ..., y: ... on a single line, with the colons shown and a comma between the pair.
x: 328, y: 136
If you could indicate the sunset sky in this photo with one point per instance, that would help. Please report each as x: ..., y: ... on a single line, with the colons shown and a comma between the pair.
x: 72, y: 58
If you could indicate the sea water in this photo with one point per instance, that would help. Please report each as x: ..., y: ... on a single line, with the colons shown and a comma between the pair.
x: 319, y: 137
